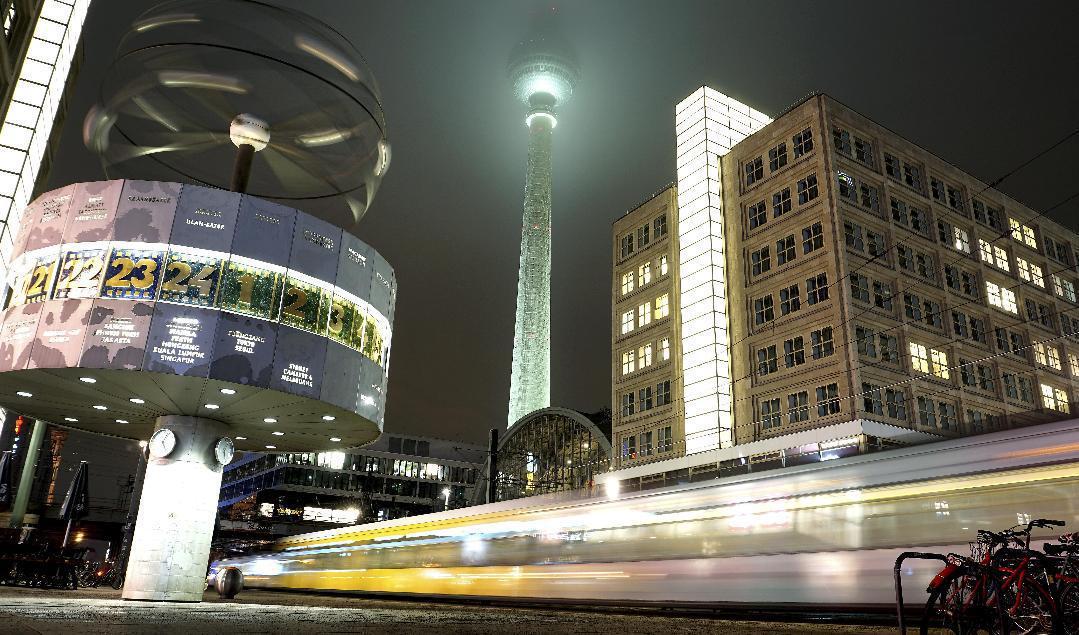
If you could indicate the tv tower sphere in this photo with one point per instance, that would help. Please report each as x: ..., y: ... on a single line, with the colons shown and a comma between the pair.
x: 544, y: 72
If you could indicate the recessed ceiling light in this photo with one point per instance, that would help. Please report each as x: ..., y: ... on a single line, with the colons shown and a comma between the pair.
x: 211, y: 406
x: 271, y: 447
x: 270, y: 420
x: 122, y: 421
x: 71, y: 419
x: 278, y: 434
x: 335, y: 439
x: 241, y: 438
x: 100, y: 407
x: 228, y: 391
x: 88, y: 380
x: 328, y: 417
x: 23, y: 393
x: 136, y: 400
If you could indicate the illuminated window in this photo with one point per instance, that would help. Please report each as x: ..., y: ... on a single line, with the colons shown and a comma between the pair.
x: 644, y: 315
x: 665, y: 349
x: 1022, y: 233
x: 1073, y: 364
x: 919, y: 358
x: 629, y: 447
x: 663, y: 265
x: 1000, y: 255
x: 938, y: 362
x: 627, y: 282
x: 1030, y: 272
x: 644, y: 274
x: 9, y: 20
x: 1064, y: 288
x: 1047, y: 355
x: 986, y: 250
x: 1001, y: 297
x: 961, y: 240
x: 627, y: 322
x: 628, y: 363
x: 663, y: 308
x: 1054, y: 398
x: 644, y: 356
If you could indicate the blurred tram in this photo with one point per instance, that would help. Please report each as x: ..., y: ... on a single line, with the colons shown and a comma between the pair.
x: 823, y: 534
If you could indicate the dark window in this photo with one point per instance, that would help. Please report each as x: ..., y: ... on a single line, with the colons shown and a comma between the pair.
x: 627, y: 404
x: 876, y: 243
x: 863, y: 151
x: 936, y: 189
x: 927, y: 415
x: 956, y: 201
x: 807, y: 189
x: 912, y: 176
x: 659, y: 226
x: 642, y: 236
x: 891, y: 167
x: 777, y: 157
x: 946, y: 413
x: 827, y: 400
x: 663, y: 393
x: 882, y: 295
x: 889, y: 348
x: 859, y: 287
x: 781, y: 202
x: 761, y: 261
x: 897, y: 403
x: 785, y: 250
x: 853, y: 234
x: 766, y: 360
x: 798, y: 407
x: 841, y: 138
x: 803, y: 142
x: 627, y: 245
x: 763, y: 310
x: 822, y: 343
x: 871, y: 399
x: 867, y: 341
x: 812, y: 238
x: 793, y: 352
x: 817, y: 288
x: 789, y: 301
x: 771, y: 417
x: 912, y: 306
x: 754, y: 171
x: 644, y: 399
x: 757, y: 214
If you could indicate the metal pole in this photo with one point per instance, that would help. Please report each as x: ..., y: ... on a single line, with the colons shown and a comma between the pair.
x: 26, y: 479
x: 492, y: 467
x: 67, y: 532
x: 241, y: 170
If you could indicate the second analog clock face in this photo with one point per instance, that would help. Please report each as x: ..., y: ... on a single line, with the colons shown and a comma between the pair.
x: 223, y: 450
x: 162, y: 443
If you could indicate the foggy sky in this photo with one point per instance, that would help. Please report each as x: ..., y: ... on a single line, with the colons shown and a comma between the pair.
x: 984, y: 85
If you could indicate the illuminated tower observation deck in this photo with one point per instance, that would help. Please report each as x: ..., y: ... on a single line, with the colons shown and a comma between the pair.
x: 543, y: 74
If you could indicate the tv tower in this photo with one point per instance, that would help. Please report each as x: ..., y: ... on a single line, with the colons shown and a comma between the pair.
x: 544, y: 71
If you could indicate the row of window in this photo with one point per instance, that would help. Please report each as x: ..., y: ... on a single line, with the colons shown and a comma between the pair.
x: 786, y: 249
x: 801, y: 144
x: 903, y: 171
x: 646, y: 398
x: 790, y: 299
x: 641, y: 357
x: 644, y: 234
x: 821, y: 345
x: 772, y: 413
x: 757, y: 213
x: 635, y: 446
x: 644, y: 275
x: 658, y: 309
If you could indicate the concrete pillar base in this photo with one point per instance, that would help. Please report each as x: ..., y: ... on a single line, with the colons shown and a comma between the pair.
x: 171, y: 547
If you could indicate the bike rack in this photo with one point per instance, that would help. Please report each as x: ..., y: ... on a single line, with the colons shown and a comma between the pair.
x: 896, y: 573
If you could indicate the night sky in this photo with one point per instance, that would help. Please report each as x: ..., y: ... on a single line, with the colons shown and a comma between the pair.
x: 985, y: 85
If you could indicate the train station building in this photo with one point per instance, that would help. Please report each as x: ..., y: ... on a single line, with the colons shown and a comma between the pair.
x: 817, y: 282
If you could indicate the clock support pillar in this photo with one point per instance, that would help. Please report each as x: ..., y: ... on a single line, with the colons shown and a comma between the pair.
x: 177, y: 511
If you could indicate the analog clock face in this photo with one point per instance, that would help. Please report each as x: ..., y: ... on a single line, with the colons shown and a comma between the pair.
x: 162, y: 443
x: 224, y: 450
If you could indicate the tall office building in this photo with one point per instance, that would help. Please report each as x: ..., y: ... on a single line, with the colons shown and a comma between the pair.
x: 39, y: 49
x: 544, y: 72
x: 647, y: 416
x: 869, y: 292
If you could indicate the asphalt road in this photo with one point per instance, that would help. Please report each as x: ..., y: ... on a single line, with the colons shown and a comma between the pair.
x: 102, y: 611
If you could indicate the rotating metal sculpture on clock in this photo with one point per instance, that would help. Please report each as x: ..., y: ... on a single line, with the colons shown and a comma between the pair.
x: 201, y: 315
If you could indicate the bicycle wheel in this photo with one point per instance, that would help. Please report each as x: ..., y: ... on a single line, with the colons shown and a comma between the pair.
x: 1033, y: 613
x: 1069, y: 610
x: 958, y: 606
